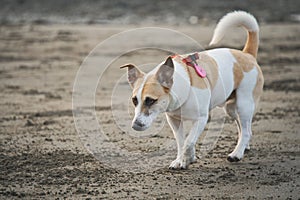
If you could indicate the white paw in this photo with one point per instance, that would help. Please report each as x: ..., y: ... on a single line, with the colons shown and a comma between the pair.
x: 235, y: 156
x: 182, y: 163
x: 178, y: 164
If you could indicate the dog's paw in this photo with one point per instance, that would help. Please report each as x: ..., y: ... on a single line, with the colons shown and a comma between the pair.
x: 182, y: 163
x: 178, y: 164
x: 234, y: 157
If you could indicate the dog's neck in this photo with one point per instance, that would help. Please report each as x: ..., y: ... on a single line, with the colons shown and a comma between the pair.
x: 181, y: 87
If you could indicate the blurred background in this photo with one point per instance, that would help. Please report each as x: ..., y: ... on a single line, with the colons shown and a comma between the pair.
x: 139, y: 12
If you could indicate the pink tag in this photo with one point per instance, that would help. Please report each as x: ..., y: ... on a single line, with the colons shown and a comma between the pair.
x: 200, y: 71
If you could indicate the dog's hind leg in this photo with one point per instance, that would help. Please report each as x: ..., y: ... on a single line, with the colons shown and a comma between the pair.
x: 231, y: 110
x: 245, y: 108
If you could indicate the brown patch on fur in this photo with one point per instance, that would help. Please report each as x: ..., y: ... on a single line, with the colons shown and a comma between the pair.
x: 210, y: 66
x: 244, y: 60
x: 259, y: 85
x: 196, y: 81
x: 152, y: 89
x: 145, y: 109
x: 245, y: 63
x: 237, y: 75
x: 251, y: 45
x: 137, y: 85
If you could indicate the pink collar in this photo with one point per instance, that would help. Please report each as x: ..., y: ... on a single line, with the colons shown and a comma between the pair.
x: 191, y: 61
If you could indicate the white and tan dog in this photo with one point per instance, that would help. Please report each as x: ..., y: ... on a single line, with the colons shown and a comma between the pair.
x: 234, y: 80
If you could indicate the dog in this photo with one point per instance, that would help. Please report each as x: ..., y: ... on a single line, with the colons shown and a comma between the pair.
x: 187, y: 87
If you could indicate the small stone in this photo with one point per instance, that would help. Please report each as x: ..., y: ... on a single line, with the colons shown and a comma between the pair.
x: 48, y: 122
x: 29, y: 123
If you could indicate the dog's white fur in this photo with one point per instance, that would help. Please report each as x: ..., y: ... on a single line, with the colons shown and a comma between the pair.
x: 175, y: 94
x: 231, y: 20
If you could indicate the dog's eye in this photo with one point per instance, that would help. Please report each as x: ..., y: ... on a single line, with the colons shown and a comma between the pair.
x: 134, y: 101
x: 149, y: 101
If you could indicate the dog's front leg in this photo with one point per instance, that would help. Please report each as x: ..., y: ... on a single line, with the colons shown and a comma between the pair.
x: 187, y: 155
x: 177, y: 128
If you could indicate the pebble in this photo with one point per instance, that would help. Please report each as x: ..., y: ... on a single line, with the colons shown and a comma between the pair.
x: 29, y: 123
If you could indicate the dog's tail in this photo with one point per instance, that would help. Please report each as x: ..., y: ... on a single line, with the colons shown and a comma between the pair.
x: 237, y: 19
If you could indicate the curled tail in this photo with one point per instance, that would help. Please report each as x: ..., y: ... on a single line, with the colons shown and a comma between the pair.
x: 237, y: 19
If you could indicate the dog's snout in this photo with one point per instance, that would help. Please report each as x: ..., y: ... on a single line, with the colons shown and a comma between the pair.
x: 138, y: 125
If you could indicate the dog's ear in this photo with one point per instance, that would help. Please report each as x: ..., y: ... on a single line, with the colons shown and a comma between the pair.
x: 133, y: 73
x: 165, y: 73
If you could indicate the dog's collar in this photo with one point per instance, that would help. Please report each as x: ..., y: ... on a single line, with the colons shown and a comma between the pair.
x: 190, y: 60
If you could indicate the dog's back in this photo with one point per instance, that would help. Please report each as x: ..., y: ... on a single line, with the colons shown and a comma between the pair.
x: 241, y: 65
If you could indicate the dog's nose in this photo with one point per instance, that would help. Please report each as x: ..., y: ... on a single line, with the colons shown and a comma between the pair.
x: 139, y: 123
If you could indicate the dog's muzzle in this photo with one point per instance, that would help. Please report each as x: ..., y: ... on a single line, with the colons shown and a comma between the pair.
x: 138, y: 125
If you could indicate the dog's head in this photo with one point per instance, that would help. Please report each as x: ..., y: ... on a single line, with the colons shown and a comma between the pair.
x: 150, y: 94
